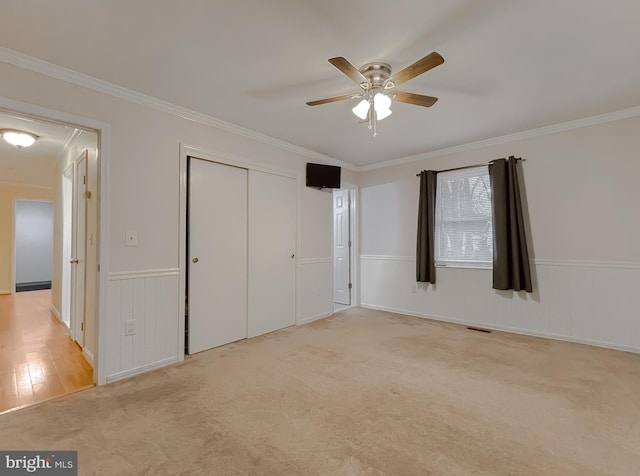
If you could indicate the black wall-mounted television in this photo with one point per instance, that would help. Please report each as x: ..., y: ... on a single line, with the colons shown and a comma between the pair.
x: 323, y: 176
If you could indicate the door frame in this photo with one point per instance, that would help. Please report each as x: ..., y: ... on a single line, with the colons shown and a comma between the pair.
x: 235, y: 161
x: 103, y: 131
x: 354, y: 252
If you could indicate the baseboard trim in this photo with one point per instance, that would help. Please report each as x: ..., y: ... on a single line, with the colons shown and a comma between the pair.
x: 88, y: 355
x: 33, y: 286
x: 58, y: 315
x: 5, y: 291
x: 317, y: 317
x: 55, y: 312
x: 142, y: 369
x: 512, y: 330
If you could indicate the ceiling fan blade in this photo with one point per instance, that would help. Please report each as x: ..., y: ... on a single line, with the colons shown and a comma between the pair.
x: 417, y: 99
x: 347, y: 68
x: 344, y: 97
x: 421, y: 66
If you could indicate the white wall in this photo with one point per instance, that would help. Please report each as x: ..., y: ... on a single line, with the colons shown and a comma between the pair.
x: 582, y: 196
x: 34, y: 241
x: 144, y: 196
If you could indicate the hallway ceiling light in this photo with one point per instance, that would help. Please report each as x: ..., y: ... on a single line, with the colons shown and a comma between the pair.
x: 18, y: 138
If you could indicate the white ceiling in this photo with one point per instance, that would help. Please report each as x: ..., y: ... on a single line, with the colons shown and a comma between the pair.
x: 35, y: 165
x: 510, y: 65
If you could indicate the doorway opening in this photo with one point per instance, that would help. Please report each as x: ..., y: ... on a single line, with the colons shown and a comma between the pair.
x: 343, y: 248
x: 43, y: 357
x: 33, y: 238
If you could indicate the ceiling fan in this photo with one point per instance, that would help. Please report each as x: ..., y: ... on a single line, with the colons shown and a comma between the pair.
x: 378, y: 87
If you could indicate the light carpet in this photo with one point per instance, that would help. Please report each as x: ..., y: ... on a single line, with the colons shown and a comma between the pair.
x: 361, y: 393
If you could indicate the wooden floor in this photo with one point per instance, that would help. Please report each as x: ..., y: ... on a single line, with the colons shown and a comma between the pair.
x: 38, y: 359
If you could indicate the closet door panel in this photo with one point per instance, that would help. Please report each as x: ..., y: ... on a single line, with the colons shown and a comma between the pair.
x: 217, y: 260
x: 272, y: 252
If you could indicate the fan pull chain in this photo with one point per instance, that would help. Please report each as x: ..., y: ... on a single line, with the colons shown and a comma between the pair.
x: 373, y: 117
x: 375, y: 123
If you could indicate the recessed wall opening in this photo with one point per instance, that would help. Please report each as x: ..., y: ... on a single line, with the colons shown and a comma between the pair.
x: 49, y: 248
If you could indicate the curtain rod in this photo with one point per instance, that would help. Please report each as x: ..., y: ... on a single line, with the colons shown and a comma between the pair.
x: 471, y: 166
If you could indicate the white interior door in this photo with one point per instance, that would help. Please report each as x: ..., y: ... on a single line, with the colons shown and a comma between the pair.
x: 217, y: 260
x: 272, y: 252
x: 79, y: 262
x: 341, y: 247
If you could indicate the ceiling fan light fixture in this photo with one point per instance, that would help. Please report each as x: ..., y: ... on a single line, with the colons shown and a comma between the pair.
x: 382, y: 105
x: 383, y: 114
x: 18, y: 138
x: 375, y: 79
x: 361, y: 109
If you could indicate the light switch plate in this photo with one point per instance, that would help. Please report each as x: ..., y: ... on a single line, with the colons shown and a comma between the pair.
x: 131, y: 238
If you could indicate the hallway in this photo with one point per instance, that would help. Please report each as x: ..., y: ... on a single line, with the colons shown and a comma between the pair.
x: 38, y: 359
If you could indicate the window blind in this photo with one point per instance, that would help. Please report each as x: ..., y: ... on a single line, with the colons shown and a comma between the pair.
x: 463, y: 231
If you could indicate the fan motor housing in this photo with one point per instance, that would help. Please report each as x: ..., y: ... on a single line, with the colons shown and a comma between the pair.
x: 376, y: 73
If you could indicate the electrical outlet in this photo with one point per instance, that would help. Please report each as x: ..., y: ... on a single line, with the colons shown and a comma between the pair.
x: 414, y: 288
x: 129, y: 327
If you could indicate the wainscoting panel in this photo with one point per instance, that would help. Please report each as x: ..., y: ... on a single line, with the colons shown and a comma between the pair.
x: 579, y: 301
x: 316, y: 294
x: 150, y: 299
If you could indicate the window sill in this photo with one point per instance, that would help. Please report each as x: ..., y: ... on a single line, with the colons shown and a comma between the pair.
x: 465, y: 266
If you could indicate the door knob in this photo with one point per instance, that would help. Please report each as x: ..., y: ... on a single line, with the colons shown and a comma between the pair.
x: 74, y: 261
x: 293, y: 256
x: 195, y: 260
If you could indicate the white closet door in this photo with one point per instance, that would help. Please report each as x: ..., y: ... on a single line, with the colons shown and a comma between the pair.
x: 217, y: 255
x: 272, y: 252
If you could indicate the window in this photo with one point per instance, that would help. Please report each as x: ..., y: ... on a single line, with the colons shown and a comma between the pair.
x: 463, y: 228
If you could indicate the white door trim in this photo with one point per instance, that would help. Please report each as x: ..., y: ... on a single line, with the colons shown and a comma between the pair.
x: 226, y: 159
x: 104, y: 137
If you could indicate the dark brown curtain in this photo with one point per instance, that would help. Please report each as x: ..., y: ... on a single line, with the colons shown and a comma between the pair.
x: 425, y: 262
x: 510, y: 255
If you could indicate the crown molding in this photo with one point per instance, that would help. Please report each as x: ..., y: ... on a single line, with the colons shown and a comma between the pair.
x: 36, y: 65
x: 80, y: 79
x: 541, y: 131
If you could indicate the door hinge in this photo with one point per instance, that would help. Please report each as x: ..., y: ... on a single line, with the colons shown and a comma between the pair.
x: 84, y: 180
x: 350, y: 285
x: 82, y: 326
x: 98, y: 267
x: 349, y: 243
